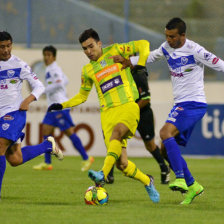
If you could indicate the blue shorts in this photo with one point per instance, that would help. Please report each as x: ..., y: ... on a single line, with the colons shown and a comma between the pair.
x: 184, y: 117
x: 12, y: 124
x: 60, y: 119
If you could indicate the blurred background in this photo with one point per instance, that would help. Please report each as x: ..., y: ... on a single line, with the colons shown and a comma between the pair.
x: 36, y: 23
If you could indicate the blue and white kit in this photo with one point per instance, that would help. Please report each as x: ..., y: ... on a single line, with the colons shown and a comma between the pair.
x: 56, y: 81
x: 186, y: 66
x: 12, y: 74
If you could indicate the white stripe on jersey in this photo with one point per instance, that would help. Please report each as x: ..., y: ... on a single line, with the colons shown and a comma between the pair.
x: 186, y: 65
x: 55, y: 81
x: 12, y: 74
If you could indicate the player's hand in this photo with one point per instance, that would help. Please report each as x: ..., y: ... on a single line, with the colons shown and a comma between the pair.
x: 54, y: 106
x: 119, y: 59
x: 139, y: 69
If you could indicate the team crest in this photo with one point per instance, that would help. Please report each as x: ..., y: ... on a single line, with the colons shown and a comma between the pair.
x: 10, y: 73
x: 184, y: 60
x: 5, y: 126
x: 103, y: 63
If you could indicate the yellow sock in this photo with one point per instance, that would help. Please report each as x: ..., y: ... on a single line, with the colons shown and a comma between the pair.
x: 113, y: 154
x: 133, y: 172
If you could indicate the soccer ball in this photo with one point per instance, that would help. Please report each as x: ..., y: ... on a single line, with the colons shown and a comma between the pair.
x: 96, y: 196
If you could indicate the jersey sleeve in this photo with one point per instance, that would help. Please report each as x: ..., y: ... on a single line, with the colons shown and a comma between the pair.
x: 36, y: 85
x: 154, y: 55
x: 208, y: 58
x: 81, y: 97
x: 141, y: 46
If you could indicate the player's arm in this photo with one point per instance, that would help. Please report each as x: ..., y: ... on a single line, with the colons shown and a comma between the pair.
x: 79, y: 98
x: 208, y: 58
x: 36, y: 86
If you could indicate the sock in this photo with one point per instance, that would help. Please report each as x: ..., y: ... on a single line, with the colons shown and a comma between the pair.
x: 111, y: 173
x: 174, y: 155
x: 113, y: 154
x: 158, y: 157
x: 2, y: 170
x: 32, y: 151
x: 47, y: 155
x: 133, y: 172
x: 78, y: 145
x: 187, y: 174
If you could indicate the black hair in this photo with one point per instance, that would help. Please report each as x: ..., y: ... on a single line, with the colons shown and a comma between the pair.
x: 4, y: 35
x: 52, y: 49
x: 90, y: 33
x: 177, y: 23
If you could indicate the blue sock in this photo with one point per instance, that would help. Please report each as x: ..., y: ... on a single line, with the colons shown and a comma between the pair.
x: 78, y: 145
x: 32, y: 151
x: 2, y: 170
x: 175, y: 158
x: 187, y: 174
x: 47, y: 155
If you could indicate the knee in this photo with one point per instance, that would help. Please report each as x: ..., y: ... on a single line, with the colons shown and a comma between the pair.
x: 14, y: 163
x: 164, y: 134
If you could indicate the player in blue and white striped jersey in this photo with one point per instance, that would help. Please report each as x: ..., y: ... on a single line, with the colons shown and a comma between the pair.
x: 186, y: 60
x: 55, y: 82
x: 13, y: 109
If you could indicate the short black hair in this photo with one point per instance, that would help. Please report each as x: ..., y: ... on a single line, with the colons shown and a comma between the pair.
x: 177, y: 23
x: 4, y: 35
x: 52, y: 49
x: 90, y: 33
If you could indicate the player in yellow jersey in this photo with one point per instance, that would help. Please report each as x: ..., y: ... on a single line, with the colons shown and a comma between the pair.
x: 117, y: 93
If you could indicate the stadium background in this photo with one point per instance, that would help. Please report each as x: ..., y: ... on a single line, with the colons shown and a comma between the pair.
x: 33, y: 24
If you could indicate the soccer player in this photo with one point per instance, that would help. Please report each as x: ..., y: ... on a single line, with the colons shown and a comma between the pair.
x: 186, y: 60
x: 117, y: 93
x: 13, y: 109
x: 146, y: 123
x: 55, y: 91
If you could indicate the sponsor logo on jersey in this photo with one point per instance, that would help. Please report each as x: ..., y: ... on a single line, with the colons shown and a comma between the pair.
x: 106, y: 72
x: 173, y: 114
x: 174, y: 74
x: 110, y: 84
x: 207, y: 56
x: 10, y: 73
x: 5, y: 126
x: 8, y: 118
x: 3, y: 86
x: 215, y: 60
x: 184, y: 60
x: 188, y: 70
x: 59, y: 116
x: 103, y: 63
x: 13, y: 81
x: 199, y: 50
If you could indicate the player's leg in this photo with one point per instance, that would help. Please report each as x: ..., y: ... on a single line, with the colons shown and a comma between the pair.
x: 146, y: 130
x: 130, y: 170
x: 16, y: 155
x: 76, y: 141
x: 167, y: 134
x: 48, y: 130
x: 4, y: 144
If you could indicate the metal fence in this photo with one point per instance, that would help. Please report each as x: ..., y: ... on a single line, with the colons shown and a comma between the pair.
x: 33, y: 23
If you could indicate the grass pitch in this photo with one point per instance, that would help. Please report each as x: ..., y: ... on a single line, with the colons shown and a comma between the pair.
x: 57, y: 196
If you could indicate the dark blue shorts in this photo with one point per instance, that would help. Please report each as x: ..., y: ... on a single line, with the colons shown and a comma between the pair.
x: 184, y: 117
x: 60, y: 119
x: 12, y: 124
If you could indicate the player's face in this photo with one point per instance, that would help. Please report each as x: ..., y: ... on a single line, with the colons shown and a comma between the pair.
x: 48, y: 57
x: 5, y: 50
x: 92, y: 49
x: 174, y: 39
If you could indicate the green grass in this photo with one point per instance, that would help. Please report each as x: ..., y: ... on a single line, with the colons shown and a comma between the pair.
x: 57, y: 196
